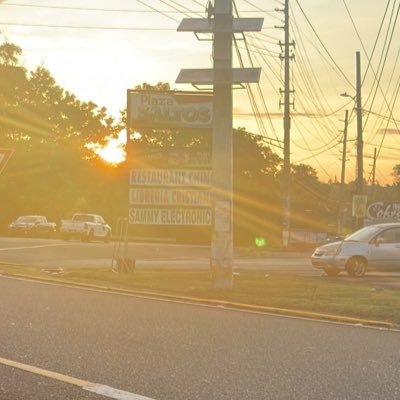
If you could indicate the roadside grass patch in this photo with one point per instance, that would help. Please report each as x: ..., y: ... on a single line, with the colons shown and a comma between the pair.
x: 351, y: 298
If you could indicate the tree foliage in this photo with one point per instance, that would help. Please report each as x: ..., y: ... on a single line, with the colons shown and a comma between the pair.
x: 54, y: 173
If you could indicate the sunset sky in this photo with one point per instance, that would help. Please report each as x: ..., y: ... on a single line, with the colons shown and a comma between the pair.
x: 99, y: 49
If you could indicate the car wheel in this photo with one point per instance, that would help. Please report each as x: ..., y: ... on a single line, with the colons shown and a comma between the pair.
x: 107, y: 237
x: 356, y: 266
x: 332, y: 271
x: 90, y: 236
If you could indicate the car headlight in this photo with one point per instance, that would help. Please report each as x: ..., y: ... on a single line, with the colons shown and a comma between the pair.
x: 328, y: 250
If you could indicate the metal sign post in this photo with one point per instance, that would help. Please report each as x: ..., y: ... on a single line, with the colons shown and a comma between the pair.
x: 223, y: 26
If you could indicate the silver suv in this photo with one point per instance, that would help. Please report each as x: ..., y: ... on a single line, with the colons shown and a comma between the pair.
x: 373, y: 247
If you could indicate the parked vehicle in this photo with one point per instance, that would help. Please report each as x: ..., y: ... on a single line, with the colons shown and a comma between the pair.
x: 86, y: 227
x: 32, y: 225
x: 375, y: 247
x: 333, y: 237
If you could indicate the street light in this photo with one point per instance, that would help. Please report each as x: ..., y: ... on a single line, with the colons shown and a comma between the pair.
x: 345, y: 94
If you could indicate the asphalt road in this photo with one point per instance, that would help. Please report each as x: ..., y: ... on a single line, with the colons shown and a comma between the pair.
x: 54, y: 254
x: 74, y: 254
x: 173, y: 351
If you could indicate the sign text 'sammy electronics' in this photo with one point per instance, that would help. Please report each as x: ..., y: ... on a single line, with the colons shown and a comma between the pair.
x: 167, y: 110
x: 169, y: 216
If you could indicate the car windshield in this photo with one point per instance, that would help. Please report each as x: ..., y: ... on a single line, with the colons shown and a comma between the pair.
x: 83, y: 218
x: 27, y: 220
x: 363, y: 235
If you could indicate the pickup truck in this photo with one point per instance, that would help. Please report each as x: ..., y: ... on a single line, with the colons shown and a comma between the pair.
x: 87, y: 227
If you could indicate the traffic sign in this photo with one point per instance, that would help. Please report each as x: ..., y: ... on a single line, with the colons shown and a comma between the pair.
x: 359, y: 205
x: 5, y: 155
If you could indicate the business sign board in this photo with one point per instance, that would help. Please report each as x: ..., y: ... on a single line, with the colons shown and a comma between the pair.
x: 169, y: 197
x: 167, y: 110
x: 5, y: 155
x: 359, y: 206
x: 381, y: 211
x: 170, y: 216
x: 182, y: 157
x: 170, y: 177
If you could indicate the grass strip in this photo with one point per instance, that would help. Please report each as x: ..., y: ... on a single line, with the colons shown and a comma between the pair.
x: 314, y: 297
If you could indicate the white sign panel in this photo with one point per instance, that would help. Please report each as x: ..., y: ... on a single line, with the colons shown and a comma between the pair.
x: 151, y: 109
x: 170, y: 177
x: 170, y: 216
x: 169, y: 197
x: 222, y: 216
x: 359, y: 205
x: 384, y: 211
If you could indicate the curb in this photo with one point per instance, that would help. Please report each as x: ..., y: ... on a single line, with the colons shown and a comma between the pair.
x: 212, y: 302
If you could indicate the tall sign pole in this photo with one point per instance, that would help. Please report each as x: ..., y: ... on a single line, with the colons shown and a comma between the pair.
x: 222, y: 240
x: 286, y: 128
x: 223, y: 26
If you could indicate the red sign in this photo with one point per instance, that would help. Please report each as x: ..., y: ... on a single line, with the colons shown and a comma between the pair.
x: 5, y: 155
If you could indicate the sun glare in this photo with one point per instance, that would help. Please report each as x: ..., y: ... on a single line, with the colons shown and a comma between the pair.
x: 113, y: 151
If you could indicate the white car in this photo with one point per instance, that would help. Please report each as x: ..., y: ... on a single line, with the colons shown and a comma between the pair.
x: 32, y: 225
x: 374, y: 247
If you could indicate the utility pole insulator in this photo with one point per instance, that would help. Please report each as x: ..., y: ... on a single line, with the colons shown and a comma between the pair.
x: 210, y: 10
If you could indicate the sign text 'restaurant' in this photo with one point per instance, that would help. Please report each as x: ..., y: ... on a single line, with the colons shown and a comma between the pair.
x: 170, y: 177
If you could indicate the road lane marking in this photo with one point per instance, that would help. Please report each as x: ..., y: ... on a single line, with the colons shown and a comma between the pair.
x: 97, y: 388
x: 46, y: 373
x: 112, y: 393
x: 34, y: 247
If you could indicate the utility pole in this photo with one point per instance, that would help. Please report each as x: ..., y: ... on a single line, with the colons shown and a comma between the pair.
x: 359, y: 199
x: 360, y: 179
x: 374, y: 172
x: 223, y: 26
x: 287, y: 57
x: 343, y: 175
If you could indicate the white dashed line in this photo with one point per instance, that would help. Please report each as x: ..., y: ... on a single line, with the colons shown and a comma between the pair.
x: 103, y: 390
x: 33, y: 247
x: 114, y: 393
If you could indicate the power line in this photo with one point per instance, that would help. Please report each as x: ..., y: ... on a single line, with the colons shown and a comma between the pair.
x: 253, y: 102
x: 118, y: 28
x: 260, y: 9
x: 323, y: 46
x: 119, y: 10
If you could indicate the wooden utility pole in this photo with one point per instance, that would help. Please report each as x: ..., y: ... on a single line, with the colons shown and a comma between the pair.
x: 374, y: 172
x: 360, y: 179
x: 359, y: 199
x: 343, y: 175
